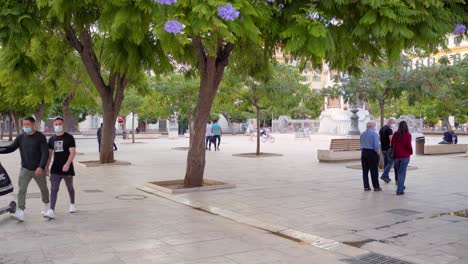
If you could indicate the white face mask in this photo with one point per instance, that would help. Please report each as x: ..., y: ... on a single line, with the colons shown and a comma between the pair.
x: 58, y: 129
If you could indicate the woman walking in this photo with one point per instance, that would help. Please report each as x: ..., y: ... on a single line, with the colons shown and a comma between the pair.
x: 401, y: 144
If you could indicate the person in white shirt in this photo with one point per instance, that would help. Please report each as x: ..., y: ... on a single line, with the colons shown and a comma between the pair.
x: 208, y: 136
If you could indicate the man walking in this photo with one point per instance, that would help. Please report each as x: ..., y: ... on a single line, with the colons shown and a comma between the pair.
x: 63, y: 149
x: 370, y: 157
x: 385, y: 134
x: 34, y: 156
x: 99, y: 137
x: 208, y: 136
x: 216, y: 132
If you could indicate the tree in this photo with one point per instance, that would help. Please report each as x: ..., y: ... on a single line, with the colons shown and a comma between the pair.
x: 341, y: 32
x: 376, y: 83
x: 132, y: 105
x: 443, y: 88
x: 113, y: 39
x: 117, y: 40
x: 179, y: 95
x: 280, y: 89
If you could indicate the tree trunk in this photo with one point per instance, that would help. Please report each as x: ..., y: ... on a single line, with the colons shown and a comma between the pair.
x: 446, y: 123
x: 211, y: 74
x: 190, y: 127
x: 382, y: 113
x: 107, y: 138
x: 111, y: 93
x: 18, y: 123
x: 10, y: 127
x: 133, y: 127
x: 66, y: 110
x: 40, y: 111
x: 230, y: 125
x: 2, y: 126
x: 258, y: 131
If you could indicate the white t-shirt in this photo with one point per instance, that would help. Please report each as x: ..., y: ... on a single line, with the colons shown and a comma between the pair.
x: 250, y: 129
x: 208, y: 131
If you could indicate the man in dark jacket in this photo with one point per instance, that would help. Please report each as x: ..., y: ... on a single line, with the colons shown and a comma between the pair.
x: 34, y: 155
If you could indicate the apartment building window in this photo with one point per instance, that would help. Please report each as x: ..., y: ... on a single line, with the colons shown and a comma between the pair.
x: 457, y: 41
x: 430, y: 61
x: 456, y: 58
x: 419, y: 63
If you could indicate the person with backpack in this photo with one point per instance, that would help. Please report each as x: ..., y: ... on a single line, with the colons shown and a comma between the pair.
x: 34, y: 155
x: 402, y: 149
x: 62, y: 148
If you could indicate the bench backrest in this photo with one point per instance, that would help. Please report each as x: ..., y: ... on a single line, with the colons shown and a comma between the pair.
x: 345, y: 144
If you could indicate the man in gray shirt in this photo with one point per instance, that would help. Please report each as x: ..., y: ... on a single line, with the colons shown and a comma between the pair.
x: 34, y: 155
x: 370, y: 148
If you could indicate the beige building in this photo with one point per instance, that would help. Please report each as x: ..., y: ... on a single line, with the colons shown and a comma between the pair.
x: 457, y: 48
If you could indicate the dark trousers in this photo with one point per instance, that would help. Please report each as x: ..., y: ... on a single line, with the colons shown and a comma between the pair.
x: 370, y: 162
x: 208, y: 142
x: 217, y: 140
x: 55, y: 180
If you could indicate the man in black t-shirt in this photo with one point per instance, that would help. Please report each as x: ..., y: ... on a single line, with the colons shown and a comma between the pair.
x: 385, y: 134
x: 63, y: 148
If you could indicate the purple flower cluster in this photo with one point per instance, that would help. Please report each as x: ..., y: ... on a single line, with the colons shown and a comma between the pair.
x: 459, y: 29
x: 173, y: 26
x: 313, y: 15
x: 166, y: 2
x: 228, y: 12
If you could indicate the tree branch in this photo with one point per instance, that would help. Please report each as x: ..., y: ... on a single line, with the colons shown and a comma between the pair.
x: 199, y: 49
x: 84, y: 46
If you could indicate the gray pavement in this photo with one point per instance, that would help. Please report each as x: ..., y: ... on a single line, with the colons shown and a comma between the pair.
x: 294, y: 191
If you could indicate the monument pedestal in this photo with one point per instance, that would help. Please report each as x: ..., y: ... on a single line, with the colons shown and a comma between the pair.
x: 335, y: 121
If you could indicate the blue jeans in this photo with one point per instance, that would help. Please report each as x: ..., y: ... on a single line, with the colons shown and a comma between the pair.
x: 388, y: 164
x: 401, y: 166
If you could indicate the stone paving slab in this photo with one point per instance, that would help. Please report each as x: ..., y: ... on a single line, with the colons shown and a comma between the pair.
x: 293, y: 191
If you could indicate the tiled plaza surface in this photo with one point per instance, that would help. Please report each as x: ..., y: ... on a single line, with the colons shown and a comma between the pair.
x: 295, y: 191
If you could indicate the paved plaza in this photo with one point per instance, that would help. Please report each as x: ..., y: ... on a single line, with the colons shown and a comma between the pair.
x: 118, y: 223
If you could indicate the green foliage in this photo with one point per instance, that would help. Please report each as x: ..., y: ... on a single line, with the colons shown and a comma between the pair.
x: 283, y: 93
x: 172, y: 93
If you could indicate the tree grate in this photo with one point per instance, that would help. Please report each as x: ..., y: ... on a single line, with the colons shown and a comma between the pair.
x: 403, y: 212
x: 374, y: 258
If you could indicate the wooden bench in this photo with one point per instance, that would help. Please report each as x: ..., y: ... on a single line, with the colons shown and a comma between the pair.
x: 341, y: 150
x: 440, y: 149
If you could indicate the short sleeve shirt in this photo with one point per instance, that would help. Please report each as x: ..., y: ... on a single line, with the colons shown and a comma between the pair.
x: 216, y: 129
x: 385, y: 133
x: 61, y: 146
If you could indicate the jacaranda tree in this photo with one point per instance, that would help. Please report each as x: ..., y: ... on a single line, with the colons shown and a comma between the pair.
x: 119, y: 39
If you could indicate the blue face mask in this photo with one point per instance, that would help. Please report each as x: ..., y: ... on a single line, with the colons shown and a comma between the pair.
x: 27, y: 130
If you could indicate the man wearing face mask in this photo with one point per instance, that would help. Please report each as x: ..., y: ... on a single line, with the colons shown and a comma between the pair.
x: 34, y: 156
x: 63, y: 149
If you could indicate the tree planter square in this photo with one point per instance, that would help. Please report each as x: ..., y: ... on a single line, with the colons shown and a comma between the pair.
x: 177, y: 186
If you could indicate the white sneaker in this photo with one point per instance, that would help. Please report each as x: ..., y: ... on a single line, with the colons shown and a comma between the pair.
x: 45, y: 208
x: 19, y: 214
x: 72, y: 208
x: 50, y: 214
